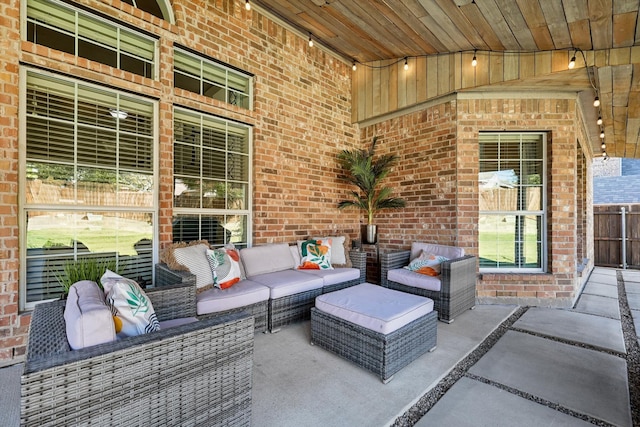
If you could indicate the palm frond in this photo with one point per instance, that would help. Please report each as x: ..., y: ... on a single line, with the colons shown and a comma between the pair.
x: 365, y: 172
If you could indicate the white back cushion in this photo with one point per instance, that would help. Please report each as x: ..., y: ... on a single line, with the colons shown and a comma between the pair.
x: 195, y: 259
x: 267, y: 259
x: 450, y: 252
x: 88, y: 320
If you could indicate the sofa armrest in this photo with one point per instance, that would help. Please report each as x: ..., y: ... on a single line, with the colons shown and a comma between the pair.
x: 167, y: 367
x: 458, y: 274
x: 166, y: 276
x: 173, y: 301
x: 359, y: 261
x: 391, y: 261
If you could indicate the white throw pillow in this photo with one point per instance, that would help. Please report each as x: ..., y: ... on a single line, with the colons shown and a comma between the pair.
x: 129, y: 304
x: 225, y: 265
x: 88, y: 320
x: 316, y: 255
x: 195, y: 259
x: 338, y: 254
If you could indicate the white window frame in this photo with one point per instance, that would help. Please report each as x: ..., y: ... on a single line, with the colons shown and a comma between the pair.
x: 115, y: 45
x: 542, y: 213
x: 248, y: 211
x: 228, y: 71
x: 24, y: 208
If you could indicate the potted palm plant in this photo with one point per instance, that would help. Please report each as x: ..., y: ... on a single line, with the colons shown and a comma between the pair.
x: 367, y: 173
x: 85, y: 268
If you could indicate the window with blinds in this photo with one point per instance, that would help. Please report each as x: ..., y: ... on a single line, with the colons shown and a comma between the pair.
x: 512, y: 214
x: 62, y: 27
x: 212, y: 167
x: 212, y: 79
x: 88, y: 182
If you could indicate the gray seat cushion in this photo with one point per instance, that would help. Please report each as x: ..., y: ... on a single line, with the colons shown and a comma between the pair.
x: 288, y: 282
x: 243, y: 293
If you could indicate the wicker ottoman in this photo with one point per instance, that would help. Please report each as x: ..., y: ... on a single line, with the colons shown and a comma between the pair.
x: 379, y: 329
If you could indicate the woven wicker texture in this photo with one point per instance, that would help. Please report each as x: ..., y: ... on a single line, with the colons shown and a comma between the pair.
x: 278, y: 312
x: 285, y: 310
x: 458, y: 283
x: 384, y: 355
x: 259, y: 311
x: 173, y: 302
x: 195, y: 374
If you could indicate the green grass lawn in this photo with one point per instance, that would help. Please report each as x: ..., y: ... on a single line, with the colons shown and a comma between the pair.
x: 105, y: 235
x: 497, y: 243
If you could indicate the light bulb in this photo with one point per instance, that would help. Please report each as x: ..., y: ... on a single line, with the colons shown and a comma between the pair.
x: 601, y: 134
x: 118, y: 114
x: 247, y: 5
x: 599, y: 122
x: 603, y: 146
x: 605, y: 157
x: 572, y: 63
x: 406, y: 64
x: 474, y: 61
x: 310, y: 41
x: 353, y: 67
x: 596, y: 102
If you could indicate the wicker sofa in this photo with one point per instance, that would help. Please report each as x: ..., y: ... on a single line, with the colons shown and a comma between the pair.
x: 290, y: 292
x: 453, y: 291
x: 198, y: 373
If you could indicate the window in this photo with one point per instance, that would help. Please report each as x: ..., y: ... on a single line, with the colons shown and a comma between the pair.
x: 512, y: 216
x: 88, y: 186
x: 65, y: 28
x: 212, y: 163
x: 212, y: 79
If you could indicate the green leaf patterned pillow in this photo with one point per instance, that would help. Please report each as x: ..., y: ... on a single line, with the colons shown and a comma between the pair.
x: 129, y: 304
x: 316, y: 255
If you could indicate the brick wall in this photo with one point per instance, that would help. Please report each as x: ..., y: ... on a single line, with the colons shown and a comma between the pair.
x: 438, y: 176
x: 301, y: 119
x: 425, y: 176
x: 558, y: 117
x: 13, y: 326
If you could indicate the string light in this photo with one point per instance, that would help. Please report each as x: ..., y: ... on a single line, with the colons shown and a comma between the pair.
x: 474, y: 61
x: 603, y: 146
x: 354, y: 67
x: 572, y: 63
x: 406, y: 63
x: 602, y: 134
x: 599, y: 121
x: 310, y: 41
x: 247, y: 5
x: 596, y: 102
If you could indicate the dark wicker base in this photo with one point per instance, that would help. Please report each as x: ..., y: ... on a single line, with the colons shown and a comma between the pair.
x: 291, y: 308
x: 448, y: 306
x: 258, y: 310
x: 198, y: 374
x: 384, y: 355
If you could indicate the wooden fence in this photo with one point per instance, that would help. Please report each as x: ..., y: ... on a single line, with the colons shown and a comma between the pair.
x: 616, y: 230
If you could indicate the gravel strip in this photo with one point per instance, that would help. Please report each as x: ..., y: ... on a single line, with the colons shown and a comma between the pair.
x: 426, y: 402
x: 633, y: 350
x: 632, y: 357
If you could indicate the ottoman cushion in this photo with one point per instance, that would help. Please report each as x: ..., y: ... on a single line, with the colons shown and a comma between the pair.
x: 373, y: 307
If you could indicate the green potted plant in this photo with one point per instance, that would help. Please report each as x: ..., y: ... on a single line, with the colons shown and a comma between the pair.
x: 85, y: 268
x: 367, y: 173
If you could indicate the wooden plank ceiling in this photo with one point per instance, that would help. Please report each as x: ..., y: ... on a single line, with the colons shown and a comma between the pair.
x: 372, y: 30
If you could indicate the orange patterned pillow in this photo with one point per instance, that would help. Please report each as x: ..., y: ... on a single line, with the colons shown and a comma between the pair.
x: 316, y: 255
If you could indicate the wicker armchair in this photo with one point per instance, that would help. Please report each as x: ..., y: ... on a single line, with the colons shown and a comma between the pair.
x: 194, y: 374
x: 457, y: 282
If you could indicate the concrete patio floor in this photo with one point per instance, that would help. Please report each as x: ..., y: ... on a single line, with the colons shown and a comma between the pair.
x: 495, y: 365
